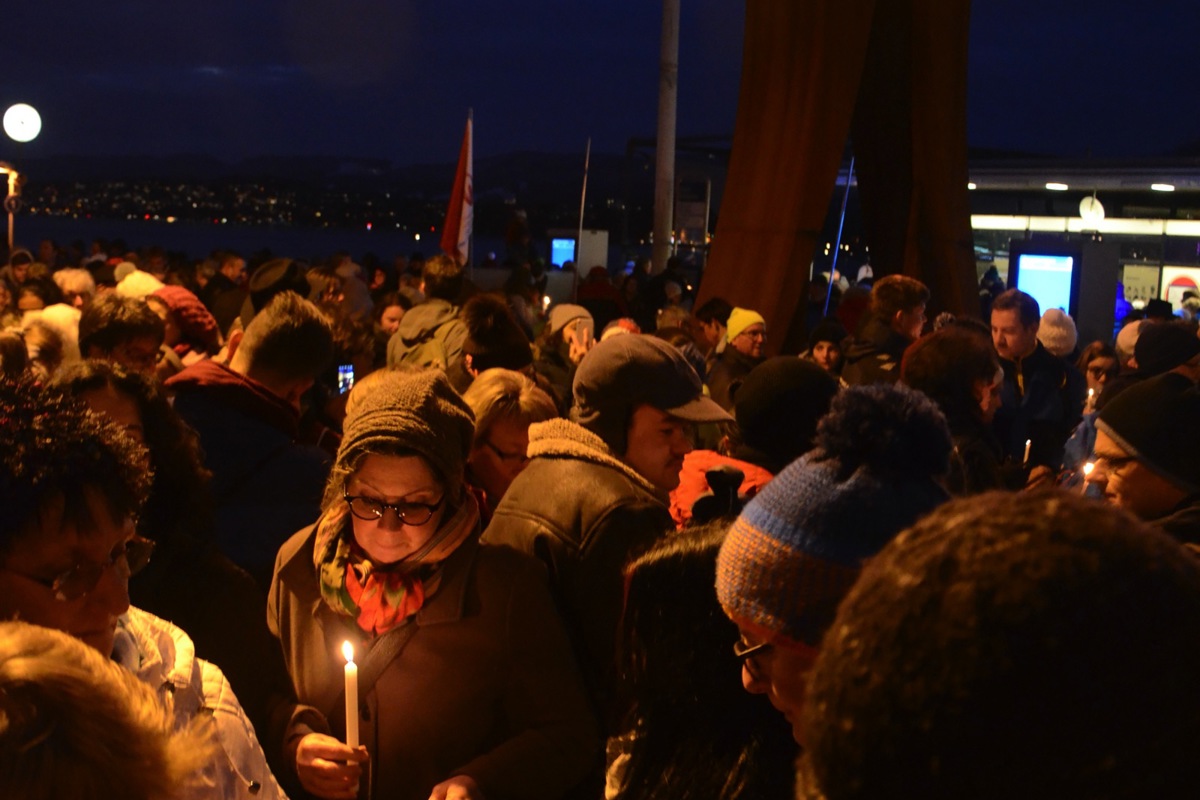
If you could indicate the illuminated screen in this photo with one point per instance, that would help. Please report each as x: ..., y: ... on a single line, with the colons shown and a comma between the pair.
x: 1047, y: 278
x: 562, y: 251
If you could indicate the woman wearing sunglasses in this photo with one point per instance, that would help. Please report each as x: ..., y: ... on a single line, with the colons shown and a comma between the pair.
x: 467, y: 685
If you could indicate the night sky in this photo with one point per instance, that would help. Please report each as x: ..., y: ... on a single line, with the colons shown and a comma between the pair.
x: 393, y: 79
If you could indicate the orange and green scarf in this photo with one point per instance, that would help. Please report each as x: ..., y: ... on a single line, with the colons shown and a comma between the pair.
x: 382, y: 597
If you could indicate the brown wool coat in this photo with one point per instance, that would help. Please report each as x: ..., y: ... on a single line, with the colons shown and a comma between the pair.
x: 486, y: 687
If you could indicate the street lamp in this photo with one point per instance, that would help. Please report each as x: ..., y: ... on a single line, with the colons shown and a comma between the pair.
x: 22, y: 123
x: 13, y: 201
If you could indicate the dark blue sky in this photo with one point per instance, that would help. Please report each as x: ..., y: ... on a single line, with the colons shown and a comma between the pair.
x: 393, y: 78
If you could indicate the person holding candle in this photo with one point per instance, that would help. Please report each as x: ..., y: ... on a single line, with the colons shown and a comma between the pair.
x: 467, y: 686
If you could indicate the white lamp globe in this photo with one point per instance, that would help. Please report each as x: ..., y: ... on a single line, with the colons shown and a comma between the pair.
x: 22, y: 122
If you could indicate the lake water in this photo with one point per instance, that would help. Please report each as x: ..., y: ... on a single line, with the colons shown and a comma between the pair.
x: 199, y: 239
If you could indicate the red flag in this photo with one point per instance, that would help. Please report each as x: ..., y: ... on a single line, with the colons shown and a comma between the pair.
x: 456, y: 233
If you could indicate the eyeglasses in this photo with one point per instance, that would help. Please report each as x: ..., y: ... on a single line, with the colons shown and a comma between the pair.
x: 82, y: 578
x: 519, y: 458
x: 746, y: 652
x: 368, y: 508
x: 1111, y: 466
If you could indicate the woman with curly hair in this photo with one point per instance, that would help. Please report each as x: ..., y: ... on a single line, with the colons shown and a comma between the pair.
x: 188, y: 581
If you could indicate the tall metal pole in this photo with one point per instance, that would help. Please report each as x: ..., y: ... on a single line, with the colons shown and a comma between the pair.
x: 587, y: 159
x: 664, y: 166
x: 838, y: 245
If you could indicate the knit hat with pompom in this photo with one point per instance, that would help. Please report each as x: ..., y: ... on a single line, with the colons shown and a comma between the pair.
x: 798, y: 546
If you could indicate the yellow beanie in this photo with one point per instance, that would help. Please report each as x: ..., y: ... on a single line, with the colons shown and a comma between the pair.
x: 740, y: 319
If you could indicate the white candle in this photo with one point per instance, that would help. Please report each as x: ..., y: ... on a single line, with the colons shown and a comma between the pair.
x: 1028, y: 442
x: 351, y: 695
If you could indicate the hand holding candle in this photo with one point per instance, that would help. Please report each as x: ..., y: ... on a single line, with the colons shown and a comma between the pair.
x: 351, y: 695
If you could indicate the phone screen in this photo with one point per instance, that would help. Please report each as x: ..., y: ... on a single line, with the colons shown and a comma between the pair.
x: 345, y: 378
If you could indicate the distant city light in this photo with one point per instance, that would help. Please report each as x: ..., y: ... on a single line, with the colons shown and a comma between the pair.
x: 1057, y: 187
x: 416, y: 237
x: 22, y: 122
x: 1162, y: 187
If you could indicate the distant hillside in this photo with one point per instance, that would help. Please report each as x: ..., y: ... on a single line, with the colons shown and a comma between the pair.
x: 552, y: 178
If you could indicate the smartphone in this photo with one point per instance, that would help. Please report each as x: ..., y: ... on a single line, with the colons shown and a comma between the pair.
x: 345, y: 378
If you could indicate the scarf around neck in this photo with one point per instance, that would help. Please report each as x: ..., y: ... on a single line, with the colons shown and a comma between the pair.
x: 380, y: 597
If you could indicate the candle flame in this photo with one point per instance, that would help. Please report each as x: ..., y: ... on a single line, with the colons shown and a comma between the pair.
x: 1088, y: 467
x: 348, y: 651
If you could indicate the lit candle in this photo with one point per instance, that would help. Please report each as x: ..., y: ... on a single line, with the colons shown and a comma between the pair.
x: 351, y: 695
x: 1087, y: 469
x: 1028, y: 442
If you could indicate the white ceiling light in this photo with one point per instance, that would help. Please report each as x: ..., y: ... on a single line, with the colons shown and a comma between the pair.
x: 1162, y: 187
x: 1091, y: 210
x: 1057, y: 187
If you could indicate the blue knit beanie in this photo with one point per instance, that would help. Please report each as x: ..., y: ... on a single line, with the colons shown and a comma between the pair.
x: 799, y: 544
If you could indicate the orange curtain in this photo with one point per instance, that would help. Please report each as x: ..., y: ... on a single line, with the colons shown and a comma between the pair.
x: 813, y: 71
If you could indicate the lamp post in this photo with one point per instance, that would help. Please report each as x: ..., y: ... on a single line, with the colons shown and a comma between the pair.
x: 13, y: 201
x: 22, y: 123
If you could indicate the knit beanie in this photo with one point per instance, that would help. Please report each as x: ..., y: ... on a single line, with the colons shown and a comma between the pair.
x: 122, y: 269
x: 829, y: 329
x: 623, y: 372
x: 1157, y: 421
x: 198, y: 325
x: 417, y: 411
x: 563, y: 313
x: 618, y: 327
x: 1162, y: 346
x: 494, y: 339
x: 798, y: 546
x: 138, y: 284
x: 1127, y: 339
x: 1057, y: 332
x: 739, y: 320
x: 777, y: 406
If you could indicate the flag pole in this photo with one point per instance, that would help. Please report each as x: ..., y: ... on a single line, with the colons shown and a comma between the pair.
x: 587, y: 157
x: 459, y: 229
x: 471, y: 239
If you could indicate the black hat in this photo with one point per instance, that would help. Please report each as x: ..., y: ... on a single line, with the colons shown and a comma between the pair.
x: 828, y: 330
x: 1157, y: 421
x: 777, y: 406
x: 1162, y: 346
x: 624, y: 372
x: 276, y: 276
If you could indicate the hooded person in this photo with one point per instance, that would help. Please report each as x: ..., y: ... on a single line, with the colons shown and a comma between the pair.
x: 594, y: 492
x: 431, y: 334
x: 467, y: 686
x: 798, y: 546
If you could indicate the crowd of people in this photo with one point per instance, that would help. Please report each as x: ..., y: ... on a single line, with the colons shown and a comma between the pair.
x: 602, y: 547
